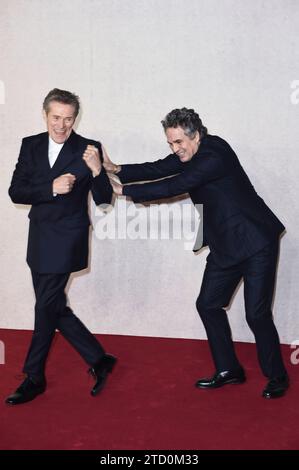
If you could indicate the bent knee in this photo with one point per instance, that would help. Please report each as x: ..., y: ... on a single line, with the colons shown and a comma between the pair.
x: 202, y: 306
x: 205, y: 307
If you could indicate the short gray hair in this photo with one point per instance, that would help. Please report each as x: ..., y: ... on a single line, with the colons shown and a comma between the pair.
x: 187, y: 119
x: 62, y: 96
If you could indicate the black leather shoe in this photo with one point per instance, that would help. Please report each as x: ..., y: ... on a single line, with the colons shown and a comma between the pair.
x: 276, y: 387
x: 219, y: 379
x: 100, y: 372
x: 27, y: 391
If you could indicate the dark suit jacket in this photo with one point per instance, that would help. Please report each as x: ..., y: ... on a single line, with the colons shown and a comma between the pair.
x: 59, y: 226
x: 236, y: 221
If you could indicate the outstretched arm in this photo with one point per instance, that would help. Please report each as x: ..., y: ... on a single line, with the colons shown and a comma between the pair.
x: 148, y: 171
x: 204, y: 169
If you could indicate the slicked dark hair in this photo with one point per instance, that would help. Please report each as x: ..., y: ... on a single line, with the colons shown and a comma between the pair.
x: 187, y: 119
x: 62, y: 96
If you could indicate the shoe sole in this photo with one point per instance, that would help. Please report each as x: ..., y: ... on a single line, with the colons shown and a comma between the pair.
x: 26, y: 401
x: 273, y: 397
x: 228, y: 382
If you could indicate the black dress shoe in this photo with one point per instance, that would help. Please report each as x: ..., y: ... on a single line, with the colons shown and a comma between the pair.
x: 100, y: 372
x: 219, y: 379
x: 276, y: 387
x: 27, y: 391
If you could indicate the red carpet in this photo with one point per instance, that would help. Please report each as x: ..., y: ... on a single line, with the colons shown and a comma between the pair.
x: 149, y: 402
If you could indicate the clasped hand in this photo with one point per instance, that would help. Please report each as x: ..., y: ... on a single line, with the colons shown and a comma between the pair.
x: 64, y: 183
x: 92, y: 159
x: 112, y: 170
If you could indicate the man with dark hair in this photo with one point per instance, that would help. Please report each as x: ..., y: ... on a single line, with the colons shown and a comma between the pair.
x: 54, y: 174
x: 240, y: 230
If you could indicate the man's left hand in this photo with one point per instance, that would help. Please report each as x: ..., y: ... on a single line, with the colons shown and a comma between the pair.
x: 92, y: 159
x: 117, y: 187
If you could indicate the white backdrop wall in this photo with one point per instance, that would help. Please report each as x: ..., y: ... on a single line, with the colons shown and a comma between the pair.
x: 132, y: 61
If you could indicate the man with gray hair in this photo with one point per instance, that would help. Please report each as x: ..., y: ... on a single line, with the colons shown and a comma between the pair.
x: 240, y: 230
x: 54, y: 174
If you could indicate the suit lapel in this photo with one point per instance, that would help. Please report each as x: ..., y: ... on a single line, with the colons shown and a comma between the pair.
x: 42, y: 151
x: 66, y: 155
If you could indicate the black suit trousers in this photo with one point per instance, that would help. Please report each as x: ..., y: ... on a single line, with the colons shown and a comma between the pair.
x: 51, y: 313
x: 218, y: 287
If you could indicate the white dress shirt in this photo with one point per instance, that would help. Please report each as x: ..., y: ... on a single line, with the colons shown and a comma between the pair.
x: 53, y: 152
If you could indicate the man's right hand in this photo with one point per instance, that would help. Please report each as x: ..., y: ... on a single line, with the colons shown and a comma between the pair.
x: 109, y: 166
x: 64, y: 184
